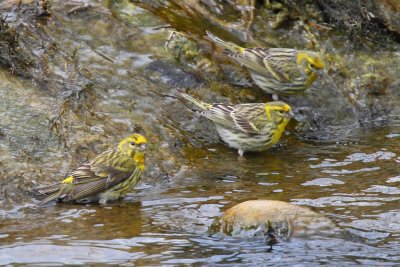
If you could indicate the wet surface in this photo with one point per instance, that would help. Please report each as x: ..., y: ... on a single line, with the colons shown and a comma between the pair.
x: 168, y: 223
x: 191, y: 178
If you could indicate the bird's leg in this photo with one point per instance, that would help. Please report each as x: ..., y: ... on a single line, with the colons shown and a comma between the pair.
x: 251, y: 19
x: 170, y: 36
x: 241, y: 158
x: 103, y: 201
x: 270, y: 238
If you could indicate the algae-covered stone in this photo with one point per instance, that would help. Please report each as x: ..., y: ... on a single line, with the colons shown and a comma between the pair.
x: 287, y: 220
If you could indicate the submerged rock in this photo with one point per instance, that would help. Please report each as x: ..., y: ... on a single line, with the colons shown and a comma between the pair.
x: 252, y: 217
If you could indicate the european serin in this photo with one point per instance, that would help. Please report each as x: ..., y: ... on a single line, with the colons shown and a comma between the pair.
x: 109, y: 176
x: 277, y: 71
x: 247, y: 127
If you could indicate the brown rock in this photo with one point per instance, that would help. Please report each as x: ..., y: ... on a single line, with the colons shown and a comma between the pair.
x: 288, y: 220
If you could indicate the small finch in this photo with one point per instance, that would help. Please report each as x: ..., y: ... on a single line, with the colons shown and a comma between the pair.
x: 277, y: 71
x: 109, y: 176
x: 247, y: 127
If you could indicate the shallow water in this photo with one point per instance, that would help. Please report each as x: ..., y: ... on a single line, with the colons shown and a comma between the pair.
x: 353, y: 180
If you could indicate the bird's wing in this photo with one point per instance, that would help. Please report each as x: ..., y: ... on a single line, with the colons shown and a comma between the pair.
x: 85, y: 174
x: 220, y: 114
x: 103, y: 166
x: 94, y: 187
x: 92, y: 177
x: 252, y: 58
x: 281, y: 63
x: 246, y: 117
x: 235, y: 117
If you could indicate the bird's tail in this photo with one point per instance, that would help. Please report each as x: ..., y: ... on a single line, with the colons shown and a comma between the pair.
x: 50, y: 193
x: 228, y: 45
x: 199, y: 103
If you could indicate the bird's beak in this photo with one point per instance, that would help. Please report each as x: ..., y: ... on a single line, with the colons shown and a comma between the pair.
x: 289, y: 115
x: 142, y: 147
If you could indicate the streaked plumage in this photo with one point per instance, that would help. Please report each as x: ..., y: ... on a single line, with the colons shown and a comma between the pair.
x: 277, y: 71
x: 247, y: 127
x: 109, y: 176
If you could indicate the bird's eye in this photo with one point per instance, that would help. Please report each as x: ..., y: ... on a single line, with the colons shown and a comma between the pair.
x: 133, y: 143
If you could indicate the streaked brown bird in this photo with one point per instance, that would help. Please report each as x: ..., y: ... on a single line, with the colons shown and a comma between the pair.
x: 246, y: 127
x: 277, y: 71
x: 109, y: 176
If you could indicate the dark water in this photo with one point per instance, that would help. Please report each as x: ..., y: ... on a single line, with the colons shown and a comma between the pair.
x: 353, y: 180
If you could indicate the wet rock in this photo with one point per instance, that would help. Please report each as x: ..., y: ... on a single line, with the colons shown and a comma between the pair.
x: 193, y: 17
x: 188, y: 53
x: 389, y: 12
x: 80, y: 97
x: 103, y: 81
x: 11, y: 3
x: 288, y: 220
x: 43, y: 8
x: 172, y: 75
x: 11, y: 54
x: 360, y: 18
x: 359, y: 82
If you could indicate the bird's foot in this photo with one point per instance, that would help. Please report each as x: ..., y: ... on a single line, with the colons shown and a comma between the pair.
x: 172, y: 34
x: 241, y: 159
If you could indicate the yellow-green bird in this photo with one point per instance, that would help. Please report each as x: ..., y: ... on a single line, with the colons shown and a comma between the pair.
x: 109, y: 176
x: 247, y: 127
x: 277, y: 71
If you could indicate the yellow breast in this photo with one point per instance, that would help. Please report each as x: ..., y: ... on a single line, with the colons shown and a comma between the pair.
x: 279, y: 131
x: 311, y: 79
x: 139, y: 160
